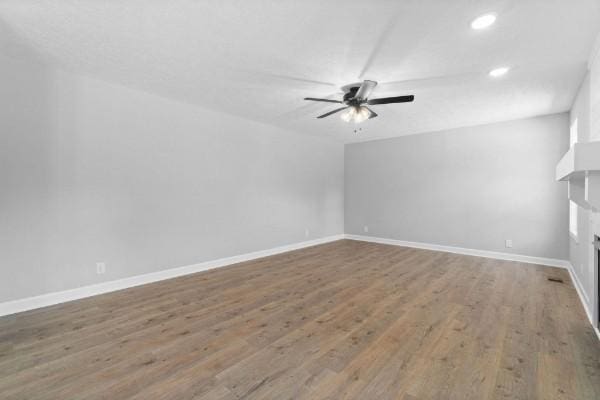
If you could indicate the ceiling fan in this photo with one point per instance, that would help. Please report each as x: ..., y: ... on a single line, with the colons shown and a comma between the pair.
x: 356, y: 100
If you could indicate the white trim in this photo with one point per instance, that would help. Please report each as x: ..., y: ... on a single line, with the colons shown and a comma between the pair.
x: 15, y: 306
x: 30, y: 303
x: 582, y: 294
x: 583, y: 298
x: 552, y: 262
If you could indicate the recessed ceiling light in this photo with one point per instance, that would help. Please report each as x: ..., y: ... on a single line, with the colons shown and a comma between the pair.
x: 483, y: 21
x: 497, y: 72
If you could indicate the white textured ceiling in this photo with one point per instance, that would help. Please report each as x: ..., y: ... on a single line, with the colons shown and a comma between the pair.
x: 259, y: 58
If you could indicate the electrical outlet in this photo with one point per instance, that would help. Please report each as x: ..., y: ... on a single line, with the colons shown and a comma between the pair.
x: 366, y: 229
x: 508, y: 243
x: 306, y: 232
x: 100, y: 268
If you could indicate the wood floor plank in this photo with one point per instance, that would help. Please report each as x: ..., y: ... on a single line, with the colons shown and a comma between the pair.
x: 343, y: 320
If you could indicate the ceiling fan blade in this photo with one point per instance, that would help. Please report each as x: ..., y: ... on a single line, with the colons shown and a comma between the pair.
x: 388, y: 100
x: 325, y: 100
x: 332, y: 112
x: 365, y: 89
x: 373, y: 113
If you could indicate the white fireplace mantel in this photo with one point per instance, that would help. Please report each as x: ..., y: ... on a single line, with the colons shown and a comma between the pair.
x: 581, y: 168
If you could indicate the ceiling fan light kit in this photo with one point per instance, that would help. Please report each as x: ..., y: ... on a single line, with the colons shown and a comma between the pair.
x: 356, y: 114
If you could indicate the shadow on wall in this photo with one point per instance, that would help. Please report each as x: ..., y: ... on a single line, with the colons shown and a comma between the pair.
x: 28, y: 138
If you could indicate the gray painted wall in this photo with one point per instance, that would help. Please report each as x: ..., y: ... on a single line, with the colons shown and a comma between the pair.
x: 94, y: 172
x: 581, y: 250
x: 471, y: 187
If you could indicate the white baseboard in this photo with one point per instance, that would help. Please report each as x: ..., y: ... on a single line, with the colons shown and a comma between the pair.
x: 552, y: 262
x: 30, y: 303
x: 583, y: 298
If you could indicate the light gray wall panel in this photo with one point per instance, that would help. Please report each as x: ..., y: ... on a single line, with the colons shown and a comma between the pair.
x: 94, y: 172
x: 472, y: 187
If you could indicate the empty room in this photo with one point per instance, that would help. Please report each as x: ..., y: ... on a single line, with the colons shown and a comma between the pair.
x: 262, y: 199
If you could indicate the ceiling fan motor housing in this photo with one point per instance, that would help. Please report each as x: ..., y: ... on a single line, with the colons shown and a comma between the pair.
x: 350, y: 93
